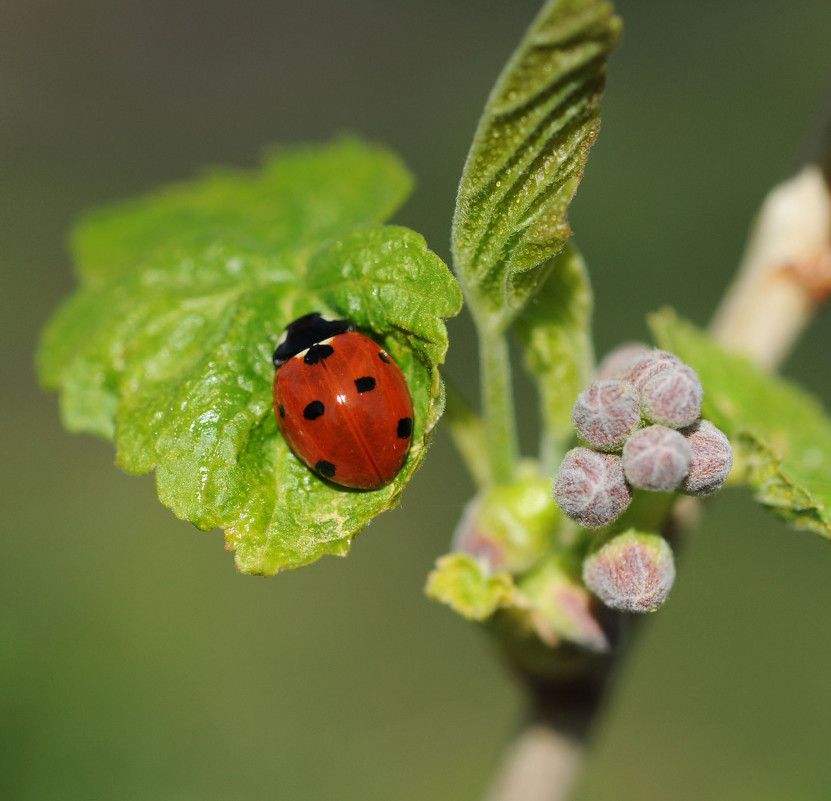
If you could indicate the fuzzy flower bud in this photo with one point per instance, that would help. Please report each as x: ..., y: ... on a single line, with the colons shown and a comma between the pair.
x: 712, y: 459
x: 646, y: 367
x: 590, y: 487
x: 619, y: 358
x: 633, y: 572
x: 673, y: 397
x: 656, y: 458
x: 606, y: 413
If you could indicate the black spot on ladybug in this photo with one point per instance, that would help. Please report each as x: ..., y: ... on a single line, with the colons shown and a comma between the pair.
x: 317, y: 353
x: 326, y: 469
x: 281, y: 409
x: 314, y: 410
x: 405, y: 427
x: 384, y: 358
x: 365, y: 384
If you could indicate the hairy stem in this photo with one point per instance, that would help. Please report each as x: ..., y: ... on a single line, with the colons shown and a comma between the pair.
x: 498, y: 403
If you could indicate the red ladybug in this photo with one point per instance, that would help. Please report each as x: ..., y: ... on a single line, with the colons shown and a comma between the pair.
x: 342, y: 403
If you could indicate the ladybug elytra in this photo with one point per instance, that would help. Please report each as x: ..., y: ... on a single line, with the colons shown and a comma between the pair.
x: 342, y: 403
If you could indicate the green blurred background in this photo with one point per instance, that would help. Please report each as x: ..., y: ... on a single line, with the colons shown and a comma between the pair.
x: 135, y: 663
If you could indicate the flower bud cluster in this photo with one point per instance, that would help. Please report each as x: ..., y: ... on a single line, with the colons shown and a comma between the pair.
x: 641, y: 428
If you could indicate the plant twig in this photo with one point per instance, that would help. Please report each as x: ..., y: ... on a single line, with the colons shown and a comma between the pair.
x: 816, y: 149
x: 785, y: 274
x: 544, y: 760
x: 542, y: 764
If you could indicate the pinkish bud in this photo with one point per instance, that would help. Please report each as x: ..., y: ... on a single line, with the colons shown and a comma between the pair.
x: 656, y: 458
x: 606, y: 413
x: 508, y: 528
x: 559, y: 607
x: 648, y: 366
x: 619, y: 358
x: 590, y: 487
x: 470, y: 538
x: 632, y: 571
x: 673, y: 397
x: 712, y: 458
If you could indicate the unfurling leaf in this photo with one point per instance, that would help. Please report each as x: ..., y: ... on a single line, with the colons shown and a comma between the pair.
x: 555, y: 334
x: 461, y: 582
x: 528, y: 156
x: 166, y: 348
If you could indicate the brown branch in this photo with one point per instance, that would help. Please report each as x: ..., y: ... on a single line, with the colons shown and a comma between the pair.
x: 542, y: 764
x: 785, y: 274
x: 544, y: 760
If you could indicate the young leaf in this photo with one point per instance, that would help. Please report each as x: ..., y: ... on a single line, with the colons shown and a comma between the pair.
x: 554, y: 330
x: 528, y: 156
x: 167, y: 347
x: 782, y: 435
x: 300, y: 197
x: 549, y: 605
x: 382, y: 281
x: 459, y: 581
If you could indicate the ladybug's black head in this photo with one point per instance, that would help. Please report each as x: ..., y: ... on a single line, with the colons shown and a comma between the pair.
x: 305, y: 332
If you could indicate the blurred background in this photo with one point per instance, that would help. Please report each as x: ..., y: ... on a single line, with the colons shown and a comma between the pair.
x: 135, y: 663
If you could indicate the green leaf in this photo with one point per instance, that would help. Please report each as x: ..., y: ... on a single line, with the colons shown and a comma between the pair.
x: 300, y: 197
x: 459, y: 581
x: 555, y: 333
x: 167, y: 346
x: 528, y: 157
x: 781, y: 434
x: 383, y: 281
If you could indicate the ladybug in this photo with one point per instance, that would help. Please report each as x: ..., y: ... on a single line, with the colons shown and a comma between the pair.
x: 342, y: 403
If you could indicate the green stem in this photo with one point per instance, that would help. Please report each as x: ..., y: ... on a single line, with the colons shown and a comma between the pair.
x: 498, y: 403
